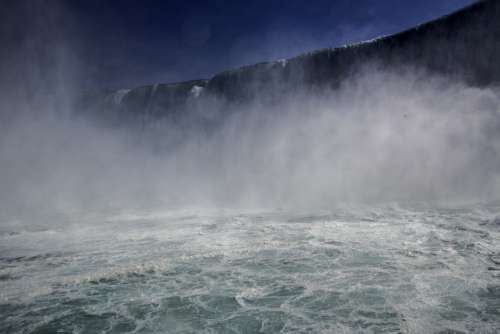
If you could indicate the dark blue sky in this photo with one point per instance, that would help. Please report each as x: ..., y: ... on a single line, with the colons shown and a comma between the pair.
x: 128, y: 43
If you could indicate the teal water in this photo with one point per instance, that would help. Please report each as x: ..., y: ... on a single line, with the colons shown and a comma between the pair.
x: 351, y: 270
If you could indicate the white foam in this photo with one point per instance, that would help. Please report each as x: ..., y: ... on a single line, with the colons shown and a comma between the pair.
x: 119, y: 95
x: 196, y: 91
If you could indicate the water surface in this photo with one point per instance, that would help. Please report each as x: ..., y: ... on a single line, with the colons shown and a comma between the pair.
x: 350, y: 270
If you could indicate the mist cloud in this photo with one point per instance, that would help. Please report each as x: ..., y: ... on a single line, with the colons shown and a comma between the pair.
x: 383, y: 136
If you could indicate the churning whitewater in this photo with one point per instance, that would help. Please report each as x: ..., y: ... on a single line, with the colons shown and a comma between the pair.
x: 383, y: 269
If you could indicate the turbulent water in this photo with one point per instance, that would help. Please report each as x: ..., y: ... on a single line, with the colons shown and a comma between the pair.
x: 350, y: 270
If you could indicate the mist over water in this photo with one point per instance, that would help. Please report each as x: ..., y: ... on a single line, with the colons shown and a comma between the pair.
x: 385, y: 135
x: 381, y: 137
x: 369, y: 208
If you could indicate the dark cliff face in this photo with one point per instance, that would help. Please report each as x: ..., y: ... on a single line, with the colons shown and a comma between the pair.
x: 463, y: 46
